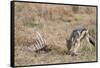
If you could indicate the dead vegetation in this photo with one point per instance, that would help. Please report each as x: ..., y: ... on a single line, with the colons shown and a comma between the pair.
x: 55, y: 23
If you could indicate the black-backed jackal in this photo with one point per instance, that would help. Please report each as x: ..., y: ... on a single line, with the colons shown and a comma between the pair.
x: 75, y: 39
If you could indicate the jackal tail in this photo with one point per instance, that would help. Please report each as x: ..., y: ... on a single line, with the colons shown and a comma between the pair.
x: 92, y: 40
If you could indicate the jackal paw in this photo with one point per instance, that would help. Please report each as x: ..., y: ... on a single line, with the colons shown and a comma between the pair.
x: 72, y: 53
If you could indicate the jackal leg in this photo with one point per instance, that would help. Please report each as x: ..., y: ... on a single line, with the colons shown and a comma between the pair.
x: 75, y: 49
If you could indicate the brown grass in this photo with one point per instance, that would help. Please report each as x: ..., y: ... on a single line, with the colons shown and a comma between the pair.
x: 55, y: 23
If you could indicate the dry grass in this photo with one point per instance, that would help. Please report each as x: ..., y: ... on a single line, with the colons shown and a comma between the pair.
x: 55, y: 23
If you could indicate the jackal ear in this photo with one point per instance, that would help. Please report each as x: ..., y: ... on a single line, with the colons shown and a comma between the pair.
x: 67, y: 40
x: 68, y: 44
